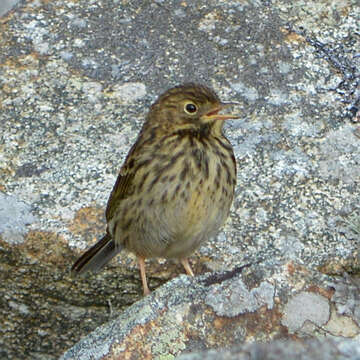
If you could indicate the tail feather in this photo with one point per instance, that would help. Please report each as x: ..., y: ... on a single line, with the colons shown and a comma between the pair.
x: 97, y: 256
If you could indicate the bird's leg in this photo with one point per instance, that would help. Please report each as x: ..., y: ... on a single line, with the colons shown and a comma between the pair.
x: 187, y: 267
x: 143, y: 275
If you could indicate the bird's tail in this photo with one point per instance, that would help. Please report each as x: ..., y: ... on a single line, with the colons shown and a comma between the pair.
x: 97, y: 256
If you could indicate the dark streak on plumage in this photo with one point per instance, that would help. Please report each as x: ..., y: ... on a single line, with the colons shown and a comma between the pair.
x: 164, y: 179
x: 228, y: 173
x: 204, y: 142
x: 227, y: 147
x: 233, y: 159
x: 141, y: 184
x: 131, y: 163
x: 220, y: 154
x: 200, y: 134
x: 224, y: 191
x: 154, y: 181
x: 127, y: 225
x: 176, y: 192
x: 141, y: 164
x: 184, y: 171
x: 192, y: 141
x: 164, y: 196
x: 184, y: 195
x: 201, y: 161
x: 206, y: 165
x: 217, y: 178
x: 197, y: 156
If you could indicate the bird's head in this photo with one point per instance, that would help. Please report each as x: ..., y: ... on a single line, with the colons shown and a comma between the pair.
x: 190, y: 106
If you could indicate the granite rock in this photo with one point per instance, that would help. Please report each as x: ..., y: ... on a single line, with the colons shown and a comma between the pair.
x: 308, y: 350
x: 76, y: 78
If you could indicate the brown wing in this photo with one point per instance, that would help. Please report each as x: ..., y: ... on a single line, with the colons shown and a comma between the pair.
x: 120, y: 191
x: 125, y: 182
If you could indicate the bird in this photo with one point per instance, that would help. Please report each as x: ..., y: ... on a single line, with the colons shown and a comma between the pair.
x: 176, y: 186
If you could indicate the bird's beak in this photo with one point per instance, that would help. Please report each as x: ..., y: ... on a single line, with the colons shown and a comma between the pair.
x: 214, y: 113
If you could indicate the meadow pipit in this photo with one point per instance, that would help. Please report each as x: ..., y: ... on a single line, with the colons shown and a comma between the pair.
x: 176, y: 186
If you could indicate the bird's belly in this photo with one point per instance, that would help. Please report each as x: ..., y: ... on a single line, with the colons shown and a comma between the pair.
x: 175, y: 229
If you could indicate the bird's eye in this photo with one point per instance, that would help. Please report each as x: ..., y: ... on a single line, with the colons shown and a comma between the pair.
x: 190, y: 108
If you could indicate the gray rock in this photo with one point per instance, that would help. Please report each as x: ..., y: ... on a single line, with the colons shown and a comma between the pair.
x: 7, y: 5
x: 282, y: 350
x: 231, y: 298
x: 306, y: 307
x: 76, y: 79
x: 14, y: 216
x: 219, y: 311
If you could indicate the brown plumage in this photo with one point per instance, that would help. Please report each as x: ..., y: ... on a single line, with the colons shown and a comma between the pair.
x: 176, y: 185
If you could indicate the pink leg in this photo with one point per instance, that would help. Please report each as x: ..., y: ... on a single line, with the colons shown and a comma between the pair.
x: 187, y: 267
x: 143, y: 275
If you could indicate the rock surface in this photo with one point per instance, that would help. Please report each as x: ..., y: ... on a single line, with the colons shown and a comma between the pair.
x: 6, y: 6
x: 307, y: 350
x: 76, y: 78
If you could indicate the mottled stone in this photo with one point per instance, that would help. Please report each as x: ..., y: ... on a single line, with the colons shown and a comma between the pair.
x: 306, y: 307
x: 14, y: 216
x: 169, y: 322
x: 7, y: 5
x: 231, y: 298
x: 129, y: 92
x: 76, y: 78
x: 347, y: 297
x: 280, y: 350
